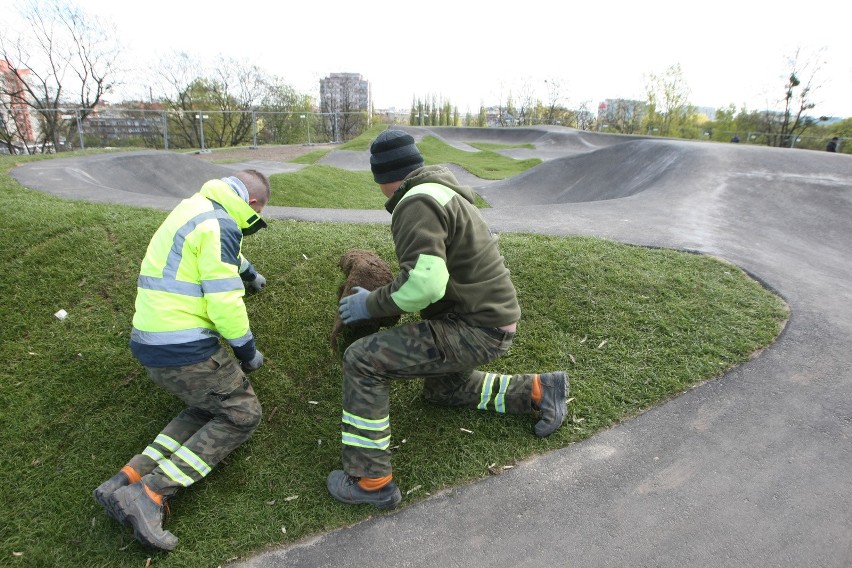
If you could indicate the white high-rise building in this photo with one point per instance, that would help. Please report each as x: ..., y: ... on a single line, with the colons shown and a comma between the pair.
x: 345, y: 92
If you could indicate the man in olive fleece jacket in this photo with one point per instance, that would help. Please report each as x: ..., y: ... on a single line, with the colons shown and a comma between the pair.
x: 452, y: 272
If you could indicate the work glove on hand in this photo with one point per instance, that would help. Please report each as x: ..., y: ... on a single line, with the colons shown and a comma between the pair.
x: 256, y: 285
x: 253, y: 285
x: 254, y: 364
x: 353, y: 308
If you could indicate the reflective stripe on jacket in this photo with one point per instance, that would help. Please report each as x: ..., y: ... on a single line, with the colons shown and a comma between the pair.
x: 449, y: 261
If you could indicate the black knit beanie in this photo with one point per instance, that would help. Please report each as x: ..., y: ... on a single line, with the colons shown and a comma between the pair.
x: 393, y: 156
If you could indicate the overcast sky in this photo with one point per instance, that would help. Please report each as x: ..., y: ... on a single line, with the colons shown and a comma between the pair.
x: 471, y: 51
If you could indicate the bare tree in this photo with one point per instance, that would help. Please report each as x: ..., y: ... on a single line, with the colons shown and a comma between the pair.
x: 585, y: 117
x: 61, y: 56
x: 211, y: 106
x: 553, y: 99
x: 526, y: 104
x: 798, y: 97
x: 626, y: 116
x: 238, y: 87
x: 175, y: 75
x: 344, y: 119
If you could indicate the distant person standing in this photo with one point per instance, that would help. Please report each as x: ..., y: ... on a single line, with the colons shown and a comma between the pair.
x: 832, y: 145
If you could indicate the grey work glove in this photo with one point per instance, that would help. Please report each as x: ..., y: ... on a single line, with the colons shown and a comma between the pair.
x: 254, y: 364
x: 353, y: 308
x: 256, y: 285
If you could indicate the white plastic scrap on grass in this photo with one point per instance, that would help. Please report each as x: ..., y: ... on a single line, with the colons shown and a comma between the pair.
x: 61, y: 314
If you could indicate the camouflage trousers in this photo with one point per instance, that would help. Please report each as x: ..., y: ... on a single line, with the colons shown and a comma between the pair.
x: 223, y: 412
x: 445, y: 354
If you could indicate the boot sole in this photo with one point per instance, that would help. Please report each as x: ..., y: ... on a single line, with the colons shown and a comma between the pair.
x: 562, y: 409
x: 105, y: 502
x: 134, y: 522
x: 390, y: 503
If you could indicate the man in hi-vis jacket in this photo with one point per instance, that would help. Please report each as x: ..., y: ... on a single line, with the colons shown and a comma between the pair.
x: 189, y: 297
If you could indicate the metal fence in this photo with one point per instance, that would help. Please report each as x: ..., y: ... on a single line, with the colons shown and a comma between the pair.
x: 204, y: 130
x: 801, y: 141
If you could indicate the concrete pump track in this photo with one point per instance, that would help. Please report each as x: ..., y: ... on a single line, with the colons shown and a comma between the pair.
x: 752, y: 469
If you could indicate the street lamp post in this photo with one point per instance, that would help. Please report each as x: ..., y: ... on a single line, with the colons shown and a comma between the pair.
x: 165, y: 131
x: 201, y: 118
x: 308, y: 123
x: 80, y: 129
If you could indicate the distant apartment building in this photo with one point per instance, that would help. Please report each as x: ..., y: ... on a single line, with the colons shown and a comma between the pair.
x: 621, y: 115
x: 16, y: 124
x: 345, y: 92
x: 612, y: 108
x: 133, y: 122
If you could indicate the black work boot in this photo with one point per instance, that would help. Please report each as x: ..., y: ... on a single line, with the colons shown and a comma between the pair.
x: 554, y: 396
x: 105, y: 490
x: 144, y: 515
x: 345, y: 489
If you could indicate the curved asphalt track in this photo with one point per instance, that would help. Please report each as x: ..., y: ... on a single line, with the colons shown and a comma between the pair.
x: 752, y: 469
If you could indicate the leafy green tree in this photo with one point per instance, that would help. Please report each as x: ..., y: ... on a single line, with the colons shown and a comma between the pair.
x: 433, y: 112
x: 668, y: 103
x: 285, y: 116
x: 447, y: 114
x: 841, y: 129
x: 415, y: 113
x: 724, y: 126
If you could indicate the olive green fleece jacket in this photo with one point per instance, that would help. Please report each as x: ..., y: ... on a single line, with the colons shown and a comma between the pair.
x: 449, y: 260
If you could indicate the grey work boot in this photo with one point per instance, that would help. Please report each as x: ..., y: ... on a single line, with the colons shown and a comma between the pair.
x: 345, y: 489
x: 554, y: 396
x: 144, y: 515
x: 105, y: 490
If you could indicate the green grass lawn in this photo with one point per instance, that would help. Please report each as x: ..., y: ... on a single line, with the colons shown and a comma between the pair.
x: 633, y: 327
x: 489, y: 146
x: 485, y: 164
x: 327, y: 187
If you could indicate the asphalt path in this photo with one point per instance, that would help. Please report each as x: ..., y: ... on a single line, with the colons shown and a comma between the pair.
x: 751, y: 469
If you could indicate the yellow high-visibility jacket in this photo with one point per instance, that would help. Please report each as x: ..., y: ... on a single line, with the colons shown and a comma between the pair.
x: 189, y: 291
